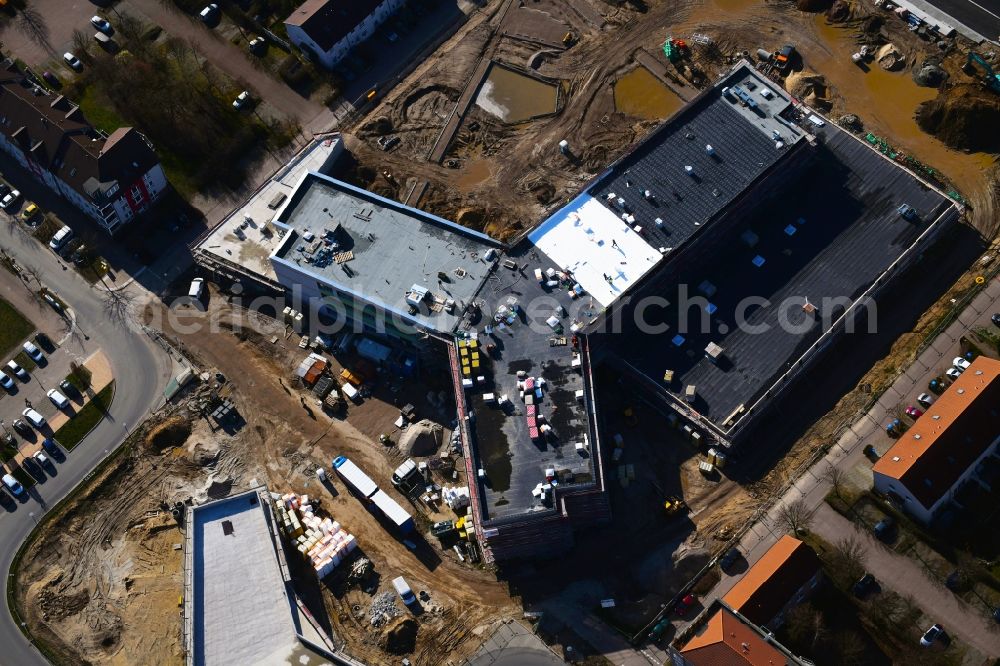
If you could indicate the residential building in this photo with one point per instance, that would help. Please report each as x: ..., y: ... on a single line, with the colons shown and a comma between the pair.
x: 782, y: 578
x: 931, y: 460
x: 327, y: 30
x: 112, y: 178
x: 724, y: 637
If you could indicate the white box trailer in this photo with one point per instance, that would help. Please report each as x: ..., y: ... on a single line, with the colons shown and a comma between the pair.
x: 394, y: 513
x: 357, y: 480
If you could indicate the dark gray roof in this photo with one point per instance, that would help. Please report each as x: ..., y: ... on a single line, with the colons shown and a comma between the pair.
x: 744, y: 148
x: 847, y: 232
x: 514, y: 463
x: 329, y: 21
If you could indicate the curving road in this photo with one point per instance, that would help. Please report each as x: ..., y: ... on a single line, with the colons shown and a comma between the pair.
x: 141, y: 370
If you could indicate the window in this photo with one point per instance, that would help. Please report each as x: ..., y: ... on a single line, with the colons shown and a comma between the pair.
x: 136, y: 193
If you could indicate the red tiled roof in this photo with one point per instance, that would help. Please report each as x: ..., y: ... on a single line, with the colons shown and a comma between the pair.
x: 726, y: 641
x: 954, y: 431
x: 773, y: 580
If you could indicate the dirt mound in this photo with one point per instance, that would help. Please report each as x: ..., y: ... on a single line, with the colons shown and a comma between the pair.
x: 471, y: 217
x: 421, y: 439
x: 401, y: 637
x: 889, y: 58
x: 812, y: 5
x: 930, y: 74
x: 838, y: 12
x: 961, y: 117
x: 808, y: 86
x: 873, y: 24
x: 172, y: 432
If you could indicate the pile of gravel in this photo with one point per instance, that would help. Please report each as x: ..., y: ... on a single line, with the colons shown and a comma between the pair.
x: 383, y: 609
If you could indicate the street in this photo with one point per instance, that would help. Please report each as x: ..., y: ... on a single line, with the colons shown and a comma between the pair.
x: 141, y: 370
x: 962, y: 621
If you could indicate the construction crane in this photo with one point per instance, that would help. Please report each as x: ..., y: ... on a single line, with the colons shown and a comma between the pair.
x: 992, y: 79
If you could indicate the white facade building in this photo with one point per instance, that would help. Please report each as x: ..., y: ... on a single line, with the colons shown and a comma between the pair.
x: 110, y: 178
x: 329, y: 29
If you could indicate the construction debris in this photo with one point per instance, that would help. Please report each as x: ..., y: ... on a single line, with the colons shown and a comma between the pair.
x: 383, y: 609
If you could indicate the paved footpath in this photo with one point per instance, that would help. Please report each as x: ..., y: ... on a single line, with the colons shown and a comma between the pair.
x: 906, y: 577
x: 813, y: 486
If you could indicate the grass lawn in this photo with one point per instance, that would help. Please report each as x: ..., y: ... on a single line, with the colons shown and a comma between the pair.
x: 14, y: 327
x: 100, y: 114
x: 89, y: 416
x: 25, y: 361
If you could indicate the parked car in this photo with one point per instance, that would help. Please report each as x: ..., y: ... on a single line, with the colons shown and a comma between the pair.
x: 257, y: 45
x: 10, y: 199
x: 995, y: 318
x: 45, y: 342
x: 68, y: 389
x: 34, y: 417
x: 242, y: 101
x: 73, y: 62
x: 22, y: 428
x: 210, y: 14
x: 935, y: 633
x: 60, y: 238
x: 53, y: 302
x: 953, y: 373
x: 197, y: 288
x: 4, y: 189
x: 925, y: 399
x: 885, y: 529
x: 960, y: 363
x: 865, y: 586
x: 102, y: 24
x: 58, y: 399
x: 104, y: 41
x: 13, y: 485
x: 50, y: 445
x: 685, y: 604
x: 907, y: 212
x: 6, y: 382
x: 16, y: 370
x: 913, y: 412
x: 34, y: 352
x: 730, y: 558
x: 30, y: 211
x: 403, y: 590
x: 43, y: 460
x: 51, y: 79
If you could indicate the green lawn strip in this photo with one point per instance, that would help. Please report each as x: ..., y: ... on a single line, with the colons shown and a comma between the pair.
x: 25, y: 361
x: 80, y: 378
x: 89, y: 416
x: 14, y: 327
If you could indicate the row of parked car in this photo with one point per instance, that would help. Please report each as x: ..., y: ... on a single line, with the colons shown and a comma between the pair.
x: 40, y: 458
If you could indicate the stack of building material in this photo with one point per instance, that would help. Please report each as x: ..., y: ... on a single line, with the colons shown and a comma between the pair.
x: 456, y: 497
x: 321, y: 541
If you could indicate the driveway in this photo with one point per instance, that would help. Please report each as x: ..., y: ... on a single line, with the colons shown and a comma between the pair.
x: 904, y: 576
x: 813, y: 486
x: 44, y: 30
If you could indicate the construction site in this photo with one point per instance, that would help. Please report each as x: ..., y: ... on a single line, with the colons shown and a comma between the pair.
x: 474, y: 135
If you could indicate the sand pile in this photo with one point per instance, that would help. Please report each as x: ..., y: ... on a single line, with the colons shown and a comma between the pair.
x: 889, y: 58
x: 808, y: 86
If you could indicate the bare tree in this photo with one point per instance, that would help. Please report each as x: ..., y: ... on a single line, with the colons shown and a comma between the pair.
x: 795, y: 516
x: 32, y: 23
x: 119, y: 306
x: 849, y: 558
x: 837, y: 478
x: 80, y: 43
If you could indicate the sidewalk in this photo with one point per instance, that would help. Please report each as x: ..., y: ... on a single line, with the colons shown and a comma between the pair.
x: 906, y: 577
x: 812, y: 487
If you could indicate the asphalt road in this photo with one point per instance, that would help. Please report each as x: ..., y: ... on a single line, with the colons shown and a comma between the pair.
x: 983, y: 16
x: 141, y: 371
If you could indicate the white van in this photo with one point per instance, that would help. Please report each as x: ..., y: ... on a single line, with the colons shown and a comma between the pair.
x: 58, y: 399
x: 197, y: 288
x: 403, y: 590
x: 36, y: 419
x: 60, y: 238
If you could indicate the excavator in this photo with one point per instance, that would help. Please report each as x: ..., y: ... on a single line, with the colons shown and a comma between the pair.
x: 991, y: 80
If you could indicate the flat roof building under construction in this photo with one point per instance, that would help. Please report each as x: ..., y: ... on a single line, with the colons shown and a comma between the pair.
x: 239, y: 607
